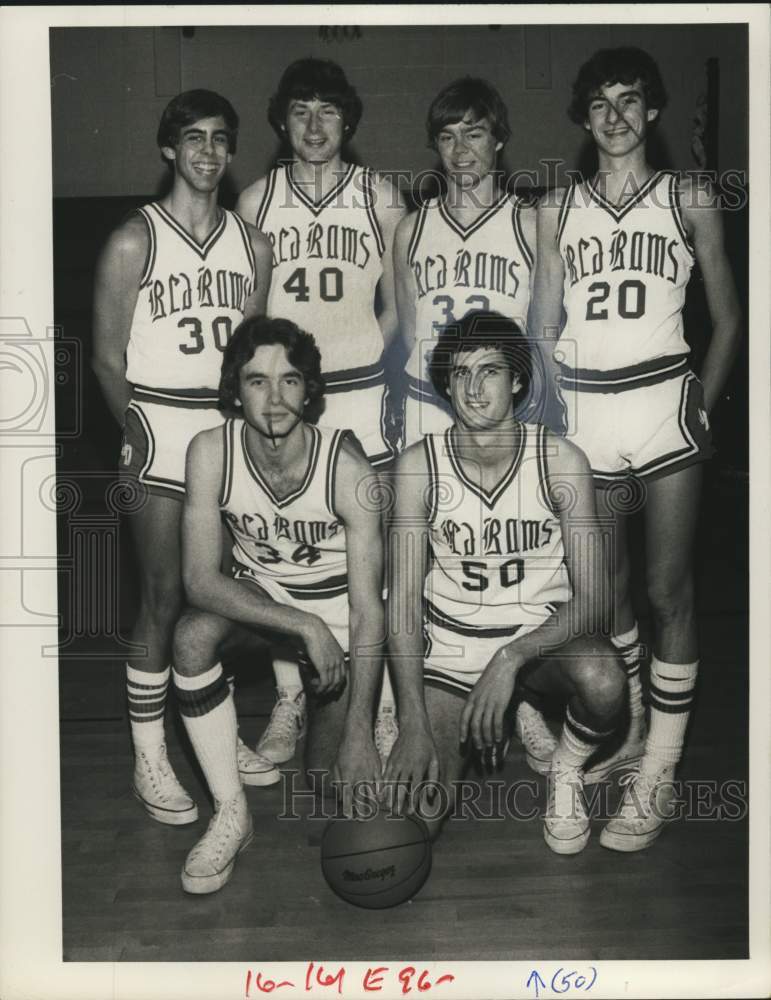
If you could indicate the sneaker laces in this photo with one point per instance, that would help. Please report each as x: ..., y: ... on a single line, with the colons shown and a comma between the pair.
x: 222, y: 830
x: 159, y: 773
x: 285, y: 720
x: 639, y: 799
x: 565, y: 802
x: 533, y: 731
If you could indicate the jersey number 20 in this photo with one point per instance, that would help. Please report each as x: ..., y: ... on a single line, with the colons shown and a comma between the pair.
x: 631, y: 299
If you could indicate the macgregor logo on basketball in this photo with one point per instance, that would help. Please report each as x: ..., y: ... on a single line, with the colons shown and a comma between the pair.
x: 369, y: 873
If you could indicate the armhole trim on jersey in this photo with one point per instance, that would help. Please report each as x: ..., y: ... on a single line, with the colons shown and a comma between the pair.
x: 152, y: 248
x: 564, y: 209
x: 267, y: 196
x: 432, y: 493
x: 334, y: 456
x: 417, y: 232
x: 677, y: 212
x: 544, y: 482
x: 368, y: 183
x: 228, y: 442
x: 519, y: 233
x: 247, y: 246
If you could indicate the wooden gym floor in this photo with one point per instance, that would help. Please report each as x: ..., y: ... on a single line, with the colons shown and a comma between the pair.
x: 495, y: 892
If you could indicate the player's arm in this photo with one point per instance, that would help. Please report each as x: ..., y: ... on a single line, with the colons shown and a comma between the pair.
x: 406, y: 287
x: 528, y: 218
x: 116, y: 287
x: 208, y: 589
x: 414, y: 756
x: 587, y: 611
x: 546, y: 314
x: 701, y: 213
x: 250, y: 199
x: 390, y: 210
x: 357, y: 758
x: 257, y: 303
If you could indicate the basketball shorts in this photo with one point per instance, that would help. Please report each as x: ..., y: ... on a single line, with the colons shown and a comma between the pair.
x: 327, y: 599
x: 645, y: 422
x: 424, y: 412
x: 160, y: 424
x: 456, y: 653
x: 356, y: 398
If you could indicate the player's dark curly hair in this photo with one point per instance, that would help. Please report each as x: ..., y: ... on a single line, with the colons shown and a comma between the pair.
x: 469, y: 93
x: 192, y: 106
x: 476, y: 330
x: 321, y: 79
x: 259, y: 331
x: 609, y: 66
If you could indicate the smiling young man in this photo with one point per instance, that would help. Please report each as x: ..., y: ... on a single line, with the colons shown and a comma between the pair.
x: 470, y: 248
x: 308, y: 567
x: 491, y: 546
x: 172, y: 282
x: 331, y: 225
x: 617, y: 252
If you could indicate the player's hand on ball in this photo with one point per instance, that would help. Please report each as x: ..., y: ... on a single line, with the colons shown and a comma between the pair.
x: 357, y: 775
x: 482, y: 718
x: 413, y: 760
x: 326, y: 656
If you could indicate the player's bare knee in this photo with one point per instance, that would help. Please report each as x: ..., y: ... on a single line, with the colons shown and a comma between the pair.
x: 600, y: 679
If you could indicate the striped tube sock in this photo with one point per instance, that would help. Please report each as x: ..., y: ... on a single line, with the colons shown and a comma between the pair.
x: 209, y: 715
x: 672, y: 690
x: 288, y: 680
x: 630, y: 648
x: 578, y: 741
x: 146, y: 702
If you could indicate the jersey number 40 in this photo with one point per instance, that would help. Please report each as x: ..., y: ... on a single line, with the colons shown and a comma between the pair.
x: 330, y: 285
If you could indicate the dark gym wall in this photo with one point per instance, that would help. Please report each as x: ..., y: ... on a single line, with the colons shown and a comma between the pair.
x: 110, y: 85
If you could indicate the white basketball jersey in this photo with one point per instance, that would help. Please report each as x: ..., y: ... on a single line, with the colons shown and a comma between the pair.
x: 498, y: 560
x: 625, y: 275
x: 485, y: 266
x: 191, y: 298
x: 327, y: 261
x: 298, y: 541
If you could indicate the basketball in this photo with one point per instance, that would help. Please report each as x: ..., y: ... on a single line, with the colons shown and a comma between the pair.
x: 377, y: 862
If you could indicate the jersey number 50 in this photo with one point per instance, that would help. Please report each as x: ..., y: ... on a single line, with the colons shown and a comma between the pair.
x: 510, y: 572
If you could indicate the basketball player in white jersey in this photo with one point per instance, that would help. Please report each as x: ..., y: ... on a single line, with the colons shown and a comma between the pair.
x: 616, y: 252
x: 308, y: 561
x: 172, y: 283
x: 470, y: 248
x: 493, y: 532
x: 331, y: 225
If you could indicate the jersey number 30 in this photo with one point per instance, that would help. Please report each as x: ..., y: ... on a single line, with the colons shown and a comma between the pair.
x: 330, y: 285
x: 220, y: 329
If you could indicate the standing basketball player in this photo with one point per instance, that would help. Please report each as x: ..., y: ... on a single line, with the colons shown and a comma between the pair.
x: 470, y: 248
x: 331, y: 225
x: 172, y: 282
x: 617, y: 253
x: 492, y: 536
x: 308, y: 564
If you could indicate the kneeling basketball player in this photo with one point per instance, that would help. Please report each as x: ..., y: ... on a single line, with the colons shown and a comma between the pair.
x: 308, y: 567
x: 492, y: 533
